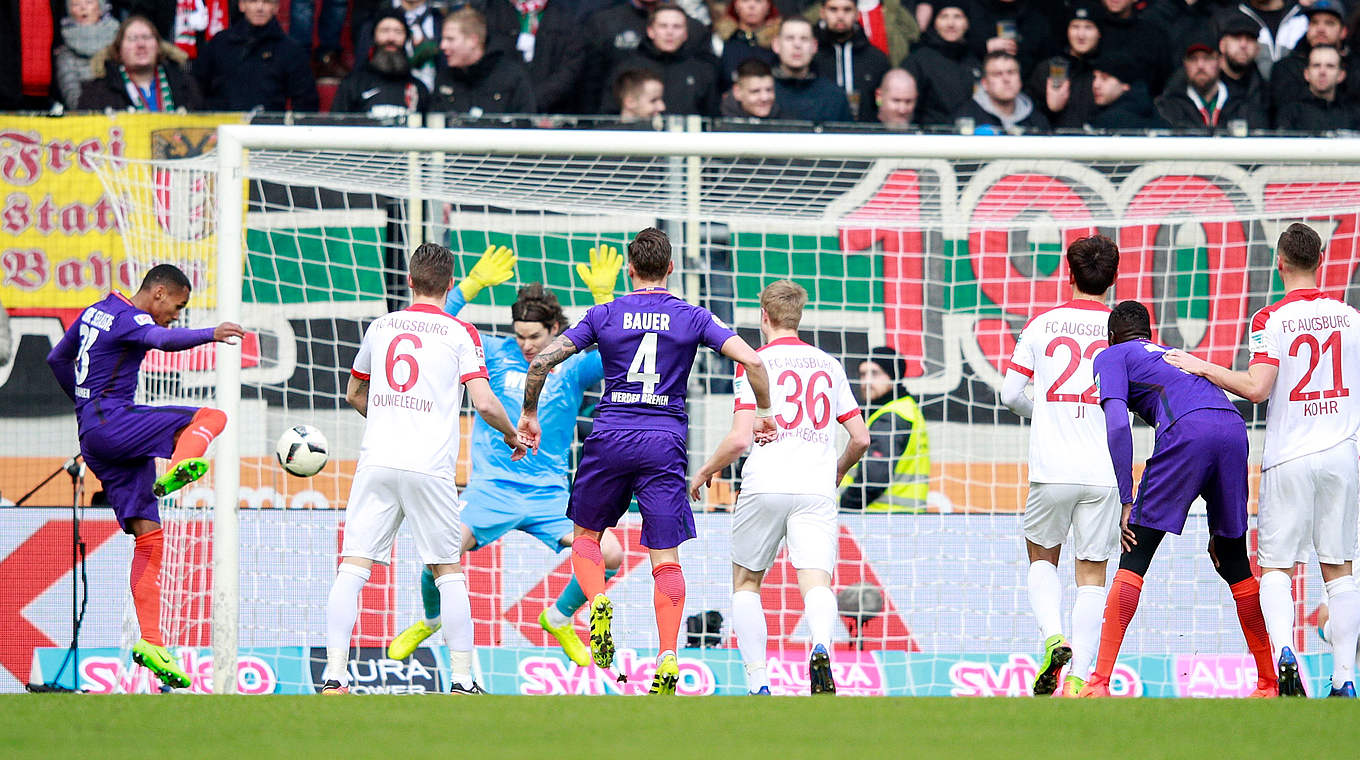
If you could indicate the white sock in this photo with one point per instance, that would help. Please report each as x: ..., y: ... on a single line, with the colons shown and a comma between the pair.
x: 456, y: 611
x: 1045, y: 597
x: 748, y: 623
x: 342, y: 609
x: 433, y: 623
x: 1277, y: 607
x: 820, y: 608
x: 555, y: 617
x: 1343, y: 600
x: 1087, y: 611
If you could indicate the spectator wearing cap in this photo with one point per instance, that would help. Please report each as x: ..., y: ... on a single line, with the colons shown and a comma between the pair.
x: 1322, y: 110
x: 423, y: 23
x: 945, y: 69
x: 798, y: 91
x: 1130, y: 31
x: 999, y: 101
x: 752, y: 94
x: 896, y: 98
x: 1238, y: 46
x: 1280, y: 24
x: 1011, y: 26
x: 1061, y: 89
x: 894, y: 475
x: 1326, y: 26
x: 383, y: 85
x: 845, y: 56
x: 1121, y: 95
x: 1205, y: 101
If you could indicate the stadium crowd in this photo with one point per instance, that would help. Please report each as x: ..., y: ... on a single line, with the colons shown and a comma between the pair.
x: 1032, y: 66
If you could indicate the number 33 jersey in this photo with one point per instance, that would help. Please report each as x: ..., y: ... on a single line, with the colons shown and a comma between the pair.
x: 810, y: 397
x: 416, y: 361
x: 1067, y: 436
x: 1314, y: 340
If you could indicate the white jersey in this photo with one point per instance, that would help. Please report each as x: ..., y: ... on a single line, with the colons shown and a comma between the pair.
x: 1315, y: 402
x: 808, y: 393
x: 416, y: 393
x: 1067, y: 435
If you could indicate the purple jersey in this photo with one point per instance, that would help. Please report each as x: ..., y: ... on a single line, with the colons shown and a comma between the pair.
x: 98, y: 359
x: 647, y: 342
x: 1135, y: 373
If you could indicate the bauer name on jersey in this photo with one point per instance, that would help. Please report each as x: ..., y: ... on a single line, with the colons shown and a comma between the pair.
x: 1067, y: 436
x: 810, y: 396
x: 416, y: 392
x: 1315, y: 403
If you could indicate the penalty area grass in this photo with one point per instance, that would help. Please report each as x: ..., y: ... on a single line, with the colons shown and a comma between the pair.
x: 556, y: 728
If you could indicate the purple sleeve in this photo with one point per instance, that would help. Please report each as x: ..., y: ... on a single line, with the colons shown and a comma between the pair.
x: 585, y: 333
x: 1120, y: 440
x: 169, y: 338
x: 713, y: 333
x: 62, y: 359
x: 1112, y: 379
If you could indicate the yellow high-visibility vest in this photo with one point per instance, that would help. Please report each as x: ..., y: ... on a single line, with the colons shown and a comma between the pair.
x: 911, y: 474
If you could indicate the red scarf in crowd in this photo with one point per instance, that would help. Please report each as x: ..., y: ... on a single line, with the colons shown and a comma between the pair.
x: 35, y: 46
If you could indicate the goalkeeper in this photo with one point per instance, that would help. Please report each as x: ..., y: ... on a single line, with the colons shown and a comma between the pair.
x: 531, y: 494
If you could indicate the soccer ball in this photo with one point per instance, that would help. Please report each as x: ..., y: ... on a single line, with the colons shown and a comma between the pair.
x: 302, y: 451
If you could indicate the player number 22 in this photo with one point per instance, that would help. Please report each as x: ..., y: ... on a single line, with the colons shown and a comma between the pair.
x: 817, y: 404
x: 1315, y: 351
x: 643, y: 368
x: 1075, y: 355
x: 394, y: 358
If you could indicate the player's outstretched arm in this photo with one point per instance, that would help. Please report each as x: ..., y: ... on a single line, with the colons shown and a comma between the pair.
x: 356, y: 393
x: 736, y: 442
x: 854, y: 450
x: 602, y: 273
x: 496, y: 265
x: 741, y: 352
x: 180, y: 338
x: 1013, y: 393
x: 556, y: 353
x: 490, y: 409
x: 1253, y: 385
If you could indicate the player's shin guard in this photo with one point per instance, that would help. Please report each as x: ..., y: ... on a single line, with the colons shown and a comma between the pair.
x: 1247, y: 595
x: 342, y: 610
x: 748, y: 623
x: 145, y: 580
x: 820, y: 607
x: 668, y: 597
x: 1277, y: 607
x: 587, y: 565
x: 429, y: 597
x: 1045, y: 597
x: 1343, y: 600
x: 456, y: 611
x: 1119, y: 608
x: 1086, y: 612
x: 207, y: 424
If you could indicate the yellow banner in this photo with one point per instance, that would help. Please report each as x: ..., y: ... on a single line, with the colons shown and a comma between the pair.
x: 59, y: 241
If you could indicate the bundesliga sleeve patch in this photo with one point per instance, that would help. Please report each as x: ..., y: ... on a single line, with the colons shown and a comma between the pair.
x: 142, y: 319
x: 720, y: 323
x: 1257, y: 341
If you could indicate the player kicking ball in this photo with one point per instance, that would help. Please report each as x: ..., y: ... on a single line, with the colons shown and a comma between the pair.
x: 647, y: 341
x: 1200, y: 450
x: 407, y: 459
x: 97, y: 363
x: 529, y: 494
x: 1072, y: 486
x: 1310, y: 489
x: 788, y: 487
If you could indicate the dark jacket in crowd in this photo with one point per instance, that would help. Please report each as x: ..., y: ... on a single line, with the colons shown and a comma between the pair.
x: 107, y: 89
x: 1181, y: 112
x: 1274, y: 46
x: 502, y: 22
x: 1141, y: 39
x: 1288, y: 85
x: 809, y: 98
x: 369, y: 91
x: 1081, y: 103
x: 246, y: 67
x: 945, y: 74
x: 690, y: 81
x: 1180, y: 23
x: 1251, y: 86
x: 498, y: 83
x: 1132, y: 111
x: 864, y: 63
x: 980, y: 109
x: 1031, y: 26
x: 559, y: 58
x: 729, y: 108
x: 741, y: 47
x: 613, y: 34
x: 1313, y: 114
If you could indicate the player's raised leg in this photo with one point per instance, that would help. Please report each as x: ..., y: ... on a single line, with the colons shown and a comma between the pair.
x: 186, y: 462
x: 557, y: 617
x: 406, y: 642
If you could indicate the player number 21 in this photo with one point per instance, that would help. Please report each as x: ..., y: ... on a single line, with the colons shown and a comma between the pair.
x: 643, y: 368
x: 1315, y: 351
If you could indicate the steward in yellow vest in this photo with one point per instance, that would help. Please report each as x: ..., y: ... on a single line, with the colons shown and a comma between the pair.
x: 894, y: 475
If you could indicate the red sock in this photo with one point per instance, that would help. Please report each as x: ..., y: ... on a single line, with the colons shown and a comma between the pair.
x: 587, y: 564
x: 145, y: 580
x: 1119, y: 608
x: 194, y: 438
x: 668, y: 597
x: 1247, y: 594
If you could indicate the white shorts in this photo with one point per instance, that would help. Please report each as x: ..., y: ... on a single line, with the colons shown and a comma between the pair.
x: 1090, y: 513
x: 808, y: 524
x: 1310, y: 504
x: 381, y: 497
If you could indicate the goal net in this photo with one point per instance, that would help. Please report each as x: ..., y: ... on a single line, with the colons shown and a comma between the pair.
x: 940, y: 247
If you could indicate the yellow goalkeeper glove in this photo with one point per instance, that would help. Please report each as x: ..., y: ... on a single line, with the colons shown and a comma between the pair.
x: 496, y: 265
x: 602, y: 272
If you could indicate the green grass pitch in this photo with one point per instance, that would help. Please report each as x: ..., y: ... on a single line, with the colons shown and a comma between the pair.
x: 717, y: 728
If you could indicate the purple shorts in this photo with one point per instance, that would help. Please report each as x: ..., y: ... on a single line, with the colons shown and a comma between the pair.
x: 1204, y: 454
x: 618, y: 464
x: 121, y: 446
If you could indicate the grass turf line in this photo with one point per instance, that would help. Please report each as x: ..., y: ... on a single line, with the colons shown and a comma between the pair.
x: 725, y: 727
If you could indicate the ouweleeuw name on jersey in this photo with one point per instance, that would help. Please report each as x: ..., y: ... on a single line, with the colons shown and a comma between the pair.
x: 1067, y: 435
x: 1314, y: 340
x: 810, y: 396
x: 416, y: 361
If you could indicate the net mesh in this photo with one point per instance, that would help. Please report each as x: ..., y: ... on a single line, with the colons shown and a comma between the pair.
x: 945, y: 260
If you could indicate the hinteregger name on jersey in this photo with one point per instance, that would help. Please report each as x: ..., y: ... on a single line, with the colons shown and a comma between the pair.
x: 1320, y: 322
x: 401, y: 401
x: 654, y: 399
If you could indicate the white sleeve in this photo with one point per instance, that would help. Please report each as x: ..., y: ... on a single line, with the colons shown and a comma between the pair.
x: 1264, y: 343
x: 1013, y: 393
x: 1022, y: 358
x: 471, y: 355
x: 741, y: 387
x: 363, y: 361
x: 846, y: 405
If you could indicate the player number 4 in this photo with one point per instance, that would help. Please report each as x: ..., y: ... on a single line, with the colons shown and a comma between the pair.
x: 643, y: 368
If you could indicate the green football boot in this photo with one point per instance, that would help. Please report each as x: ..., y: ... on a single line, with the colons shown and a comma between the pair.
x: 159, y: 661
x: 567, y: 638
x: 601, y: 639
x: 1057, y: 653
x: 406, y: 642
x: 182, y: 474
x: 666, y: 678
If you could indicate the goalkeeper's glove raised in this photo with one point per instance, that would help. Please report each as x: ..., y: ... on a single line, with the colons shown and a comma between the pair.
x: 496, y: 265
x: 602, y: 272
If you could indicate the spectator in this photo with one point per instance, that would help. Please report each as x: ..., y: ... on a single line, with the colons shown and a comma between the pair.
x: 1180, y: 22
x: 1238, y: 46
x: 423, y: 23
x: 554, y: 51
x: 1129, y: 31
x: 139, y: 71
x: 1280, y: 24
x: 1322, y: 110
x: 752, y: 95
x: 845, y: 56
x: 87, y: 29
x: 1205, y: 101
x: 886, y: 23
x: 641, y: 95
x: 1326, y: 26
x: 894, y: 475
x: 326, y: 63
x: 1121, y: 94
x: 253, y: 64
x: 798, y: 91
x: 896, y: 99
x: 614, y: 33
x: 691, y: 80
x: 747, y: 29
x: 1011, y: 26
x: 942, y: 65
x: 383, y: 85
x: 477, y: 80
x: 999, y: 102
x: 1062, y: 89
